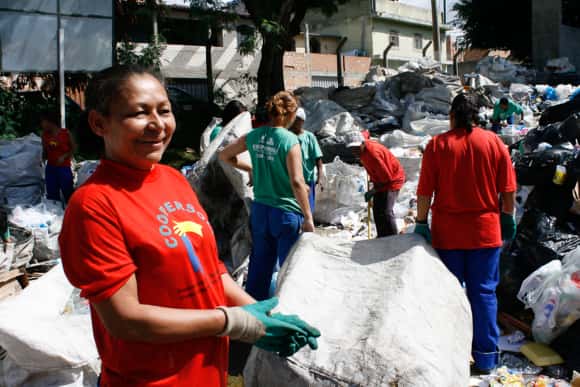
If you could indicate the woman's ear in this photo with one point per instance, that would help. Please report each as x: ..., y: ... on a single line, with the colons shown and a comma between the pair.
x: 97, y: 123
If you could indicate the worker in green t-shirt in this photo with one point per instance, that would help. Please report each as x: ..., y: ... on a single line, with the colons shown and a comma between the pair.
x: 504, y: 110
x: 231, y: 111
x: 280, y: 208
x: 311, y: 155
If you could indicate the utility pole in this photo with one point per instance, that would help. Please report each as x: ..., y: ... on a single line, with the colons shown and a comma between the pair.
x: 307, y: 46
x: 60, y: 65
x: 209, y: 65
x: 436, y: 32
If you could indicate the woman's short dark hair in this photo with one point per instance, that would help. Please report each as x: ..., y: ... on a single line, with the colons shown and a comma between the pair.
x: 107, y: 84
x: 231, y: 110
x: 100, y: 92
x: 464, y: 108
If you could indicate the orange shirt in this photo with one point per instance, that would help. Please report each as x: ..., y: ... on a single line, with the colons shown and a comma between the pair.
x: 466, y: 172
x: 57, y: 145
x: 122, y: 222
x: 382, y: 166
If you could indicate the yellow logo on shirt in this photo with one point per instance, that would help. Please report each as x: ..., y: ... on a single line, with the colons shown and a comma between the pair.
x: 182, y: 228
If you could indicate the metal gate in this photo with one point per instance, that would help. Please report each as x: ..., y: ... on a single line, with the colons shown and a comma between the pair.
x: 194, y: 86
x: 324, y: 81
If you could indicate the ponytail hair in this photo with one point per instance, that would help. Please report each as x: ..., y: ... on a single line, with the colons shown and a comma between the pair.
x: 464, y: 109
x: 282, y: 108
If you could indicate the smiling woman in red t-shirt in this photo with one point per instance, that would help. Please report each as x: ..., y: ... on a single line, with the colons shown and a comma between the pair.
x: 466, y: 170
x: 140, y: 247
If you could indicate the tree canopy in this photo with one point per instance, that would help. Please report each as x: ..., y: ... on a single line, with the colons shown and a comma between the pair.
x: 277, y: 22
x: 497, y: 24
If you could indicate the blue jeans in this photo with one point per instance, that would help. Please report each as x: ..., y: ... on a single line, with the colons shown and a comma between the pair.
x: 312, y: 195
x: 479, y: 270
x: 58, y: 179
x: 274, y: 232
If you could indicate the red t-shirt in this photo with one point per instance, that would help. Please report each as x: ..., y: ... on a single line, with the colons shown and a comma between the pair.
x: 57, y: 145
x: 124, y: 221
x: 466, y: 172
x: 382, y: 167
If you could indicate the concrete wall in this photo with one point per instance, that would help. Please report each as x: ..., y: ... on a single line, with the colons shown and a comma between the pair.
x: 546, y: 21
x: 406, y: 50
x: 570, y: 44
x: 296, y: 73
x: 328, y: 45
x: 404, y: 11
x: 352, y: 20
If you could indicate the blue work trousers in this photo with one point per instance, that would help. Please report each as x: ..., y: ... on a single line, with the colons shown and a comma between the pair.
x: 58, y: 179
x: 274, y: 232
x: 479, y: 270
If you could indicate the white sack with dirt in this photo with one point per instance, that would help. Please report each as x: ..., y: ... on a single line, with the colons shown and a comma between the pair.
x: 389, y: 311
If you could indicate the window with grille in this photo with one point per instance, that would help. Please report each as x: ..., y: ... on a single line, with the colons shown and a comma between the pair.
x: 418, y: 41
x: 394, y: 38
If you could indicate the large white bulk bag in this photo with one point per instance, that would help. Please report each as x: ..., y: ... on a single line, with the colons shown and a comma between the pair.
x: 389, y: 311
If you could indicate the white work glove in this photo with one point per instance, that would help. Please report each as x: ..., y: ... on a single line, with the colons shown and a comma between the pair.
x: 276, y: 333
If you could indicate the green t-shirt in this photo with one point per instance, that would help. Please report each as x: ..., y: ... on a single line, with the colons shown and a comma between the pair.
x: 215, y: 131
x: 513, y: 108
x: 310, y: 153
x: 268, y: 149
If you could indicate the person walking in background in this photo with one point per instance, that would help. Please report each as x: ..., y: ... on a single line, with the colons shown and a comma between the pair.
x: 280, y: 208
x: 57, y: 149
x: 231, y: 111
x: 466, y: 169
x: 312, y: 166
x: 387, y: 176
x: 140, y: 247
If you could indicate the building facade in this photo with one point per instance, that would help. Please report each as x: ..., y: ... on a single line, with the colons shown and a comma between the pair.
x: 371, y: 26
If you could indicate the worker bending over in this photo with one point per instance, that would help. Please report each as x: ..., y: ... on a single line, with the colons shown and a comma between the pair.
x: 387, y: 176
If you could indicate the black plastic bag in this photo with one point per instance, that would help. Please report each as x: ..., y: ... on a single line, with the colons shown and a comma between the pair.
x: 549, y: 133
x: 539, y: 167
x: 560, y: 112
x: 567, y: 345
x: 540, y: 239
x: 570, y: 128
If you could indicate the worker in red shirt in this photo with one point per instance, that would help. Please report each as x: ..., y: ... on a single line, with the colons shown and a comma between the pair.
x: 387, y: 176
x: 466, y: 170
x: 57, y: 150
x: 137, y: 243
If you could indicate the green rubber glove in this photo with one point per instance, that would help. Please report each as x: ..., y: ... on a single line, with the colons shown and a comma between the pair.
x: 369, y: 195
x: 508, y: 226
x: 253, y: 324
x: 423, y: 230
x: 311, y: 332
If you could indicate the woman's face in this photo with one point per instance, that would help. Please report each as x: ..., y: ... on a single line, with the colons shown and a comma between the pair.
x: 140, y: 124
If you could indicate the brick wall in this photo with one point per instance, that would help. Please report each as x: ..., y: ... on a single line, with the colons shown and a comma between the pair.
x: 296, y: 74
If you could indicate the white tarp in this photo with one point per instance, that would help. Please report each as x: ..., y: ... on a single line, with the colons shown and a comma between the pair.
x: 389, y: 311
x: 46, y: 345
x: 225, y: 194
x: 343, y: 193
x: 326, y: 118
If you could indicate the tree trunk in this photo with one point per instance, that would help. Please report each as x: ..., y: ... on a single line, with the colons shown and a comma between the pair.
x: 271, y: 71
